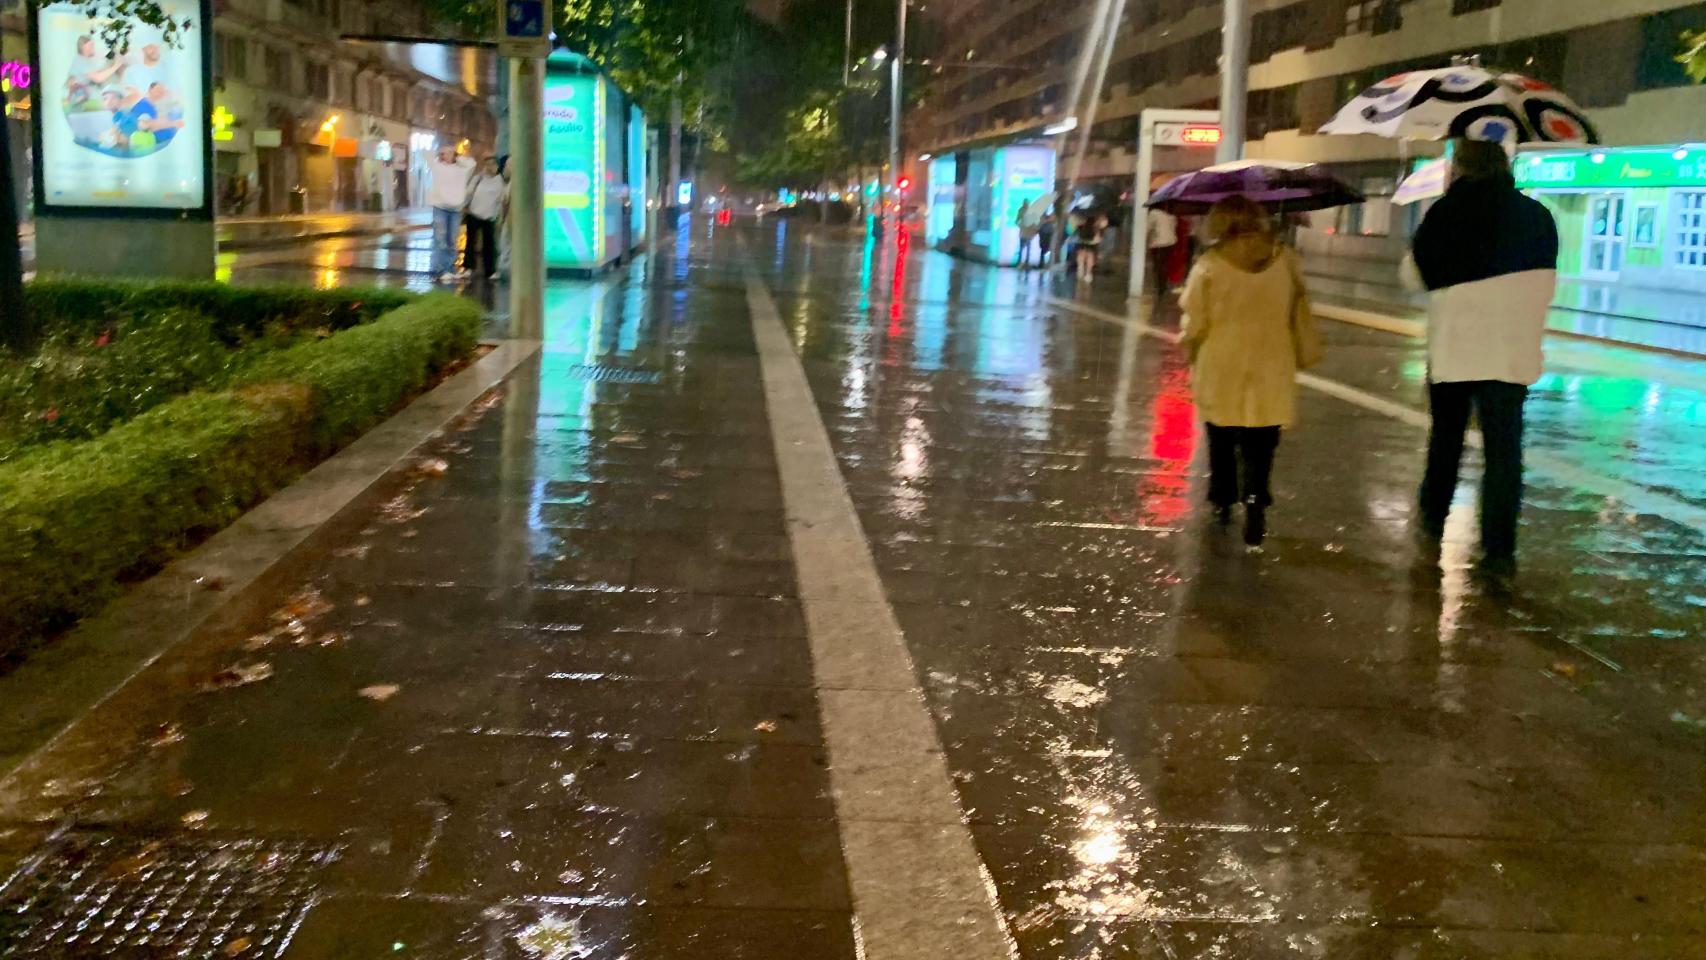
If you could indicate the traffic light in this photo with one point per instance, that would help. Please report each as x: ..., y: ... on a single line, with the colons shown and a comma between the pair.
x: 903, y: 184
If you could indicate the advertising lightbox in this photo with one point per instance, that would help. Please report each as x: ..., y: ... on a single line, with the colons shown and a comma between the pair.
x: 574, y: 151
x: 637, y: 175
x: 121, y: 130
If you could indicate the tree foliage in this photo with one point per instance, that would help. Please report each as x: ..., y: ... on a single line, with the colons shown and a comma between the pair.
x: 654, y: 49
x: 122, y: 16
x: 1693, y: 56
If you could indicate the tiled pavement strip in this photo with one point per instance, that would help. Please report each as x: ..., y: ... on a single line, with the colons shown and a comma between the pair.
x: 560, y: 694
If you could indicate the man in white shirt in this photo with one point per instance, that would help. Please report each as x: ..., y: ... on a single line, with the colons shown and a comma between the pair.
x: 447, y: 193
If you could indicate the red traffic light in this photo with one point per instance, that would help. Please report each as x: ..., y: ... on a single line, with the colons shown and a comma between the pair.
x: 904, y: 183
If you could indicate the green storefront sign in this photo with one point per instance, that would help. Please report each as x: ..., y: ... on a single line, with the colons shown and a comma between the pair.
x: 1613, y: 169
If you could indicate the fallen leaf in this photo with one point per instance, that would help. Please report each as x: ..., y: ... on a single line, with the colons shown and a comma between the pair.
x: 306, y: 604
x: 194, y: 818
x: 1564, y: 668
x: 236, y: 946
x: 133, y: 864
x: 166, y: 734
x: 363, y: 600
x: 435, y: 468
x: 240, y: 676
x: 380, y: 692
x: 766, y: 726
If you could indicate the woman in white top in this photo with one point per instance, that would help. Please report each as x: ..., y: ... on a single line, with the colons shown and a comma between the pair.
x: 1247, y: 329
x: 488, y: 194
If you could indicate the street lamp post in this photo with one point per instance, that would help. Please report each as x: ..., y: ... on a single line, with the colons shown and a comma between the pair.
x: 896, y: 64
x: 1234, y: 79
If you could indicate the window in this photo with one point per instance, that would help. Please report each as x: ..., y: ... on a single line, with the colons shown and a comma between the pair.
x: 319, y: 81
x: 1373, y: 16
x: 1470, y: 6
x: 1690, y: 244
x: 280, y: 70
x: 231, y: 56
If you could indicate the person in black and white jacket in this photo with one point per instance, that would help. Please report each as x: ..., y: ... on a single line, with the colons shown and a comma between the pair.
x: 1488, y: 256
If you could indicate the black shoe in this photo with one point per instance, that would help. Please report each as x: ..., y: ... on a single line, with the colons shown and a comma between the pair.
x: 1223, y: 516
x: 1496, y: 570
x: 1255, y: 524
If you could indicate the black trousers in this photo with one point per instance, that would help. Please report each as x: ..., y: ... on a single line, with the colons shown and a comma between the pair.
x: 1498, y: 408
x: 1254, y: 447
x: 481, y: 257
x: 1159, y: 259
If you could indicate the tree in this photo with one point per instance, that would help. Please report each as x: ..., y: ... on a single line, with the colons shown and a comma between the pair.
x: 17, y: 329
x: 1693, y: 56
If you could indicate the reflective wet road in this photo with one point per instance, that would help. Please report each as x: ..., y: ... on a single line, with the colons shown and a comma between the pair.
x: 554, y: 689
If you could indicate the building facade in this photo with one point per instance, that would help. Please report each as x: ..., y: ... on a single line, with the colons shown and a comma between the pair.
x: 306, y: 122
x: 1007, y: 68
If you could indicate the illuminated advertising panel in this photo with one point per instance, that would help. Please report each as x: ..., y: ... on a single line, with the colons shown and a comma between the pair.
x: 615, y: 194
x: 574, y: 153
x: 1023, y: 174
x: 636, y: 175
x: 121, y: 129
x: 943, y: 198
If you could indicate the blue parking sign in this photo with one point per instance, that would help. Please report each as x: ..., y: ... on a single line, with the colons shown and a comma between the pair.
x: 524, y: 18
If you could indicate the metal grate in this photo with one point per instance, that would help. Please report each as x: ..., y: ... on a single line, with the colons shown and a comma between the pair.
x: 605, y: 373
x: 97, y: 895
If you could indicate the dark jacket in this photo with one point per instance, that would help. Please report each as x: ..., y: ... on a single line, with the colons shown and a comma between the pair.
x: 1483, y: 229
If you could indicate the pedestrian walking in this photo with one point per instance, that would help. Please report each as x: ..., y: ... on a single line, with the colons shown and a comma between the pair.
x: 504, y: 239
x: 487, y: 196
x: 1087, y: 240
x: 1247, y: 329
x: 1163, y: 241
x: 447, y: 194
x: 1028, y: 232
x: 1488, y: 257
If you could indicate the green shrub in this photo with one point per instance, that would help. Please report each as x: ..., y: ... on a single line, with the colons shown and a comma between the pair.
x: 77, y: 518
x: 85, y: 308
x: 358, y: 376
x: 72, y: 391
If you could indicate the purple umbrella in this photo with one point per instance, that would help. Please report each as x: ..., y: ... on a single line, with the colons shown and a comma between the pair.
x: 1280, y: 186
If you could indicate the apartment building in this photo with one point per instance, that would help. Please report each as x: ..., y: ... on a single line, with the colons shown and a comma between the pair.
x: 1005, y: 71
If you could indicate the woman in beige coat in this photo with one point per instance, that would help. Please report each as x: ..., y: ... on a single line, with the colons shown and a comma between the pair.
x: 1246, y: 328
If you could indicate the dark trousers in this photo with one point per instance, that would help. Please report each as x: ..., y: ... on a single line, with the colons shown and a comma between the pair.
x: 1498, y: 408
x: 481, y: 257
x: 1255, y: 447
x: 1160, y: 258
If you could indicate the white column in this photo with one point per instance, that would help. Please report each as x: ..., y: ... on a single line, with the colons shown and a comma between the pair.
x: 1234, y: 78
x: 527, y: 198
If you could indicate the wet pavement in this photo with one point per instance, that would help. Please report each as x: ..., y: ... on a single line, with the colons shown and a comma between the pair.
x: 554, y: 689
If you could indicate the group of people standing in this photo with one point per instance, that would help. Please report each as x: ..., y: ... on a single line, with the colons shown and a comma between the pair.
x: 1487, y: 256
x: 472, y: 200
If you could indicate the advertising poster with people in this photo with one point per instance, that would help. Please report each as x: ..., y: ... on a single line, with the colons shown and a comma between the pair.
x: 121, y: 128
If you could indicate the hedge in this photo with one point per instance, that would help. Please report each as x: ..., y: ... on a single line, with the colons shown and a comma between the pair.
x: 79, y: 518
x: 81, y: 307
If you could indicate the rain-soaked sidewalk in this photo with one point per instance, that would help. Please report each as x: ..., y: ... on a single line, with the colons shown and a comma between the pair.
x: 602, y: 674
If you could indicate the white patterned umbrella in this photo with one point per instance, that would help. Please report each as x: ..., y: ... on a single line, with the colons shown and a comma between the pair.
x: 1465, y: 100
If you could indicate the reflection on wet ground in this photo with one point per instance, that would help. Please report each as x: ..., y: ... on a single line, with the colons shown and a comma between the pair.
x: 547, y: 691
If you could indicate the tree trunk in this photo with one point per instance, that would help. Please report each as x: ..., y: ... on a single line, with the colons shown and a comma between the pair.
x: 17, y: 331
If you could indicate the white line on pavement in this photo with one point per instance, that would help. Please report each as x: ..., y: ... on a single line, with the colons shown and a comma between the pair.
x: 920, y: 891
x: 1560, y: 469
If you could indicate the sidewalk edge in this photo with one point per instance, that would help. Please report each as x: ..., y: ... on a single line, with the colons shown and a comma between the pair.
x: 103, y: 654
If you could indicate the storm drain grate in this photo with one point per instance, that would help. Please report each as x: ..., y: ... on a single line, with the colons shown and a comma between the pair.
x: 605, y: 373
x: 94, y: 895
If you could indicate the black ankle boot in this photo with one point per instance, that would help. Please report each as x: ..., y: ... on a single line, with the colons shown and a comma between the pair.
x: 1255, y: 523
x: 1223, y: 515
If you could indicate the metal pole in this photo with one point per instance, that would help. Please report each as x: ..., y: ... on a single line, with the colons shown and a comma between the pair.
x: 1140, y: 197
x: 1234, y: 79
x: 674, y: 148
x: 897, y: 65
x: 847, y: 50
x: 527, y: 198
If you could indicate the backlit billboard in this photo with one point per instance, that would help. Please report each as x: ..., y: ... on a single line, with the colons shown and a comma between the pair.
x: 574, y: 151
x: 121, y: 129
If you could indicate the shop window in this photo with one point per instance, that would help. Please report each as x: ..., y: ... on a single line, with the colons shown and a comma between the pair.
x: 231, y: 55
x: 1690, y: 246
